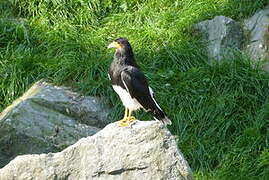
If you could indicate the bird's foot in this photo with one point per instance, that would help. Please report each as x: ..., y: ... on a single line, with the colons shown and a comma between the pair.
x: 130, y: 119
x: 126, y: 121
x: 123, y: 122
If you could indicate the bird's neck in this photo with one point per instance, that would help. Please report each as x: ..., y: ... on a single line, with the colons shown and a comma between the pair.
x: 125, y: 56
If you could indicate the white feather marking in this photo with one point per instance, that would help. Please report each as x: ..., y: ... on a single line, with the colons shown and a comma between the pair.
x: 124, y: 83
x: 129, y: 102
x: 152, y: 96
x: 151, y: 91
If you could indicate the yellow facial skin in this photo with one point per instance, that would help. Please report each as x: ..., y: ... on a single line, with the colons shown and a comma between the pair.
x: 114, y: 44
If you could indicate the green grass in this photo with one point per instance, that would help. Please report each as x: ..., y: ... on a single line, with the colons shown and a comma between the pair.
x: 220, y: 112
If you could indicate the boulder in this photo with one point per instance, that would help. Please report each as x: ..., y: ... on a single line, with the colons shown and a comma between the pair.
x: 144, y: 150
x: 257, y: 28
x: 222, y: 36
x: 48, y: 118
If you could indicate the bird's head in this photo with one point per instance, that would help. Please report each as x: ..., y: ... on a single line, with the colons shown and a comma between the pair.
x: 121, y: 44
x: 124, y: 52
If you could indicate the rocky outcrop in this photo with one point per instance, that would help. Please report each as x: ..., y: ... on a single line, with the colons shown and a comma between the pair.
x: 257, y: 28
x: 144, y: 150
x: 222, y: 36
x: 48, y: 118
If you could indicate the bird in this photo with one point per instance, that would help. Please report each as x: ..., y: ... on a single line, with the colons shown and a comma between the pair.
x: 131, y: 85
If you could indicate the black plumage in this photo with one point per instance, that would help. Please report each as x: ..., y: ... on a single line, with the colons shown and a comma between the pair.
x: 130, y: 83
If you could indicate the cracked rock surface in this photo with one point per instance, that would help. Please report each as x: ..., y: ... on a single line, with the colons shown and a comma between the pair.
x: 48, y: 118
x: 144, y: 150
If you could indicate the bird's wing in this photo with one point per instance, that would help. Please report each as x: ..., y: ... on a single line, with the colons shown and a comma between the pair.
x: 136, y: 84
x: 109, y: 76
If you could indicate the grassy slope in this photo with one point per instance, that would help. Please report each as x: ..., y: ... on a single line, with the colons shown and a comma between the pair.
x: 220, y: 112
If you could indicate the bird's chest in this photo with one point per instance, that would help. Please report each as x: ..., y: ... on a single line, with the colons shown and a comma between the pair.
x: 115, y: 78
x: 114, y: 74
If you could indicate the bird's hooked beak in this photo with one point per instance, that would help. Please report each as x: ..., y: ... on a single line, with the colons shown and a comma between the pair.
x: 114, y: 44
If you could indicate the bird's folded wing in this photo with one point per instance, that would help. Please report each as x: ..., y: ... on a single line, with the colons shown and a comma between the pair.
x: 136, y: 84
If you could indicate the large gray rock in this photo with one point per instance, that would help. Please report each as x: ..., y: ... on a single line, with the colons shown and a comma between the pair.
x: 145, y: 150
x: 257, y: 27
x: 222, y: 36
x: 48, y: 118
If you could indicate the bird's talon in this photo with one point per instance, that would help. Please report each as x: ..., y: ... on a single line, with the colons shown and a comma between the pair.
x: 124, y: 120
x: 131, y: 118
x: 122, y: 123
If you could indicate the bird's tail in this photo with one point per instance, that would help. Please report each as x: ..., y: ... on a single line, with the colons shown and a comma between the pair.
x: 157, y: 112
x: 160, y: 115
x: 166, y: 121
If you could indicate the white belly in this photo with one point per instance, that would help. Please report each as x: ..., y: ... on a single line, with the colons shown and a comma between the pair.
x: 129, y: 102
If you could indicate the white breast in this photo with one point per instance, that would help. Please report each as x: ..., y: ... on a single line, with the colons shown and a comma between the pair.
x: 129, y: 102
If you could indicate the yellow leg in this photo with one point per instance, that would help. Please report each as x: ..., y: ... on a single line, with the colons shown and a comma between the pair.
x: 125, y: 114
x: 124, y: 122
x: 130, y: 118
